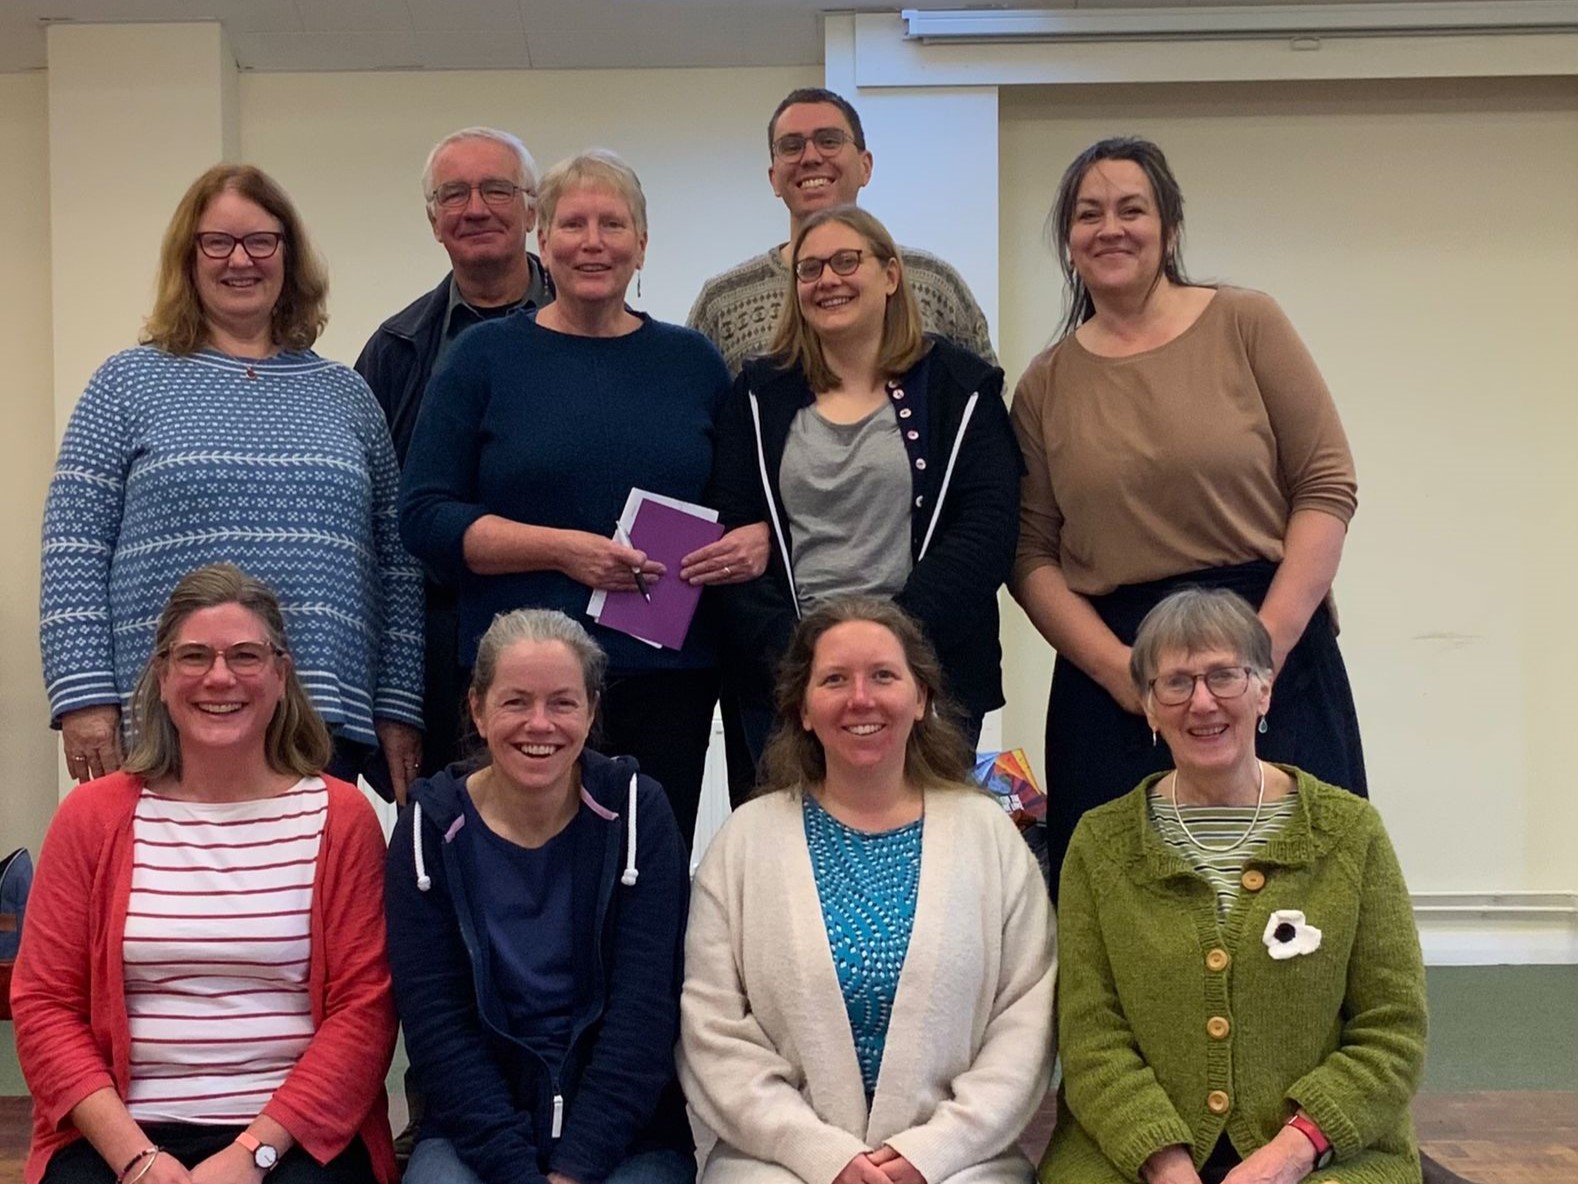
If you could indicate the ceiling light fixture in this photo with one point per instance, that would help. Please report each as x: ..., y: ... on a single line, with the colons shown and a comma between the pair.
x: 1446, y: 18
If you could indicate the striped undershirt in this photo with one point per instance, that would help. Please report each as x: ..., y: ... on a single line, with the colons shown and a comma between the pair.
x: 216, y: 951
x: 1219, y: 826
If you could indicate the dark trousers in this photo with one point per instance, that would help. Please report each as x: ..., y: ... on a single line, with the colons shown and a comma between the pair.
x: 1222, y: 1160
x: 664, y: 720
x: 78, y: 1163
x: 1096, y: 751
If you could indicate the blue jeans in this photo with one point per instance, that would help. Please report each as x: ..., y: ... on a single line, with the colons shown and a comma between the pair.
x: 433, y: 1161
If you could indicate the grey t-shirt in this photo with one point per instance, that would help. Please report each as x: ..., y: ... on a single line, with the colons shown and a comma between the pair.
x: 846, y: 490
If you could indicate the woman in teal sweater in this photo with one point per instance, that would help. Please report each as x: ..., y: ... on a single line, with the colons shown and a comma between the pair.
x: 1241, y: 995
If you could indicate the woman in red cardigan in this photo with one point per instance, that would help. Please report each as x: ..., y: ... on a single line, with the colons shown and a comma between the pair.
x: 202, y: 995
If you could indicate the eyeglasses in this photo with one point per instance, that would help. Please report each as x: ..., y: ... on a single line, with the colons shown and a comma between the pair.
x: 1224, y: 682
x: 808, y: 268
x: 828, y: 140
x: 495, y: 191
x: 243, y: 659
x: 260, y: 244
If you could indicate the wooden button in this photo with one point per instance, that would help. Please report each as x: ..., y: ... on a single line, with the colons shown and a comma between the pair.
x: 1217, y: 1101
x: 1253, y: 879
x: 1216, y: 961
x: 1217, y: 1027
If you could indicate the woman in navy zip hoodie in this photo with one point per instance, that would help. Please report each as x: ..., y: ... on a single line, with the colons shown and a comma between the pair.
x: 881, y: 459
x: 536, y: 913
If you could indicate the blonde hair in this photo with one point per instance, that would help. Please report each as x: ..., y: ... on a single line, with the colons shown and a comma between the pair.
x: 796, y: 344
x: 177, y: 323
x: 596, y: 168
x: 296, y: 741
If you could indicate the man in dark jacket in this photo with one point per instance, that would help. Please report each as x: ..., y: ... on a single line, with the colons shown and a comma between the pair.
x: 480, y: 186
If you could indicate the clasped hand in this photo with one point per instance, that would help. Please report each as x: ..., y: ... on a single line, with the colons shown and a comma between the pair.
x: 882, y: 1166
x: 597, y: 562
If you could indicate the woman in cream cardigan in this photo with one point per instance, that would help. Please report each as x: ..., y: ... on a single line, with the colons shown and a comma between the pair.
x: 869, y: 962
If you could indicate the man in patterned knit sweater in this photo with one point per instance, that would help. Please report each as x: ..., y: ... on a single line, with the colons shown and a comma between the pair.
x: 819, y: 159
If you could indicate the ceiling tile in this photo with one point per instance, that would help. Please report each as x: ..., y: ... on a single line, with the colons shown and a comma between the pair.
x: 563, y: 34
x: 354, y: 16
x: 21, y: 46
x: 325, y: 51
x: 464, y: 49
x: 464, y: 15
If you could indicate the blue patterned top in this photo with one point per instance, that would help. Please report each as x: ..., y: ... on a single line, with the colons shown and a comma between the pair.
x: 867, y: 885
x: 282, y: 466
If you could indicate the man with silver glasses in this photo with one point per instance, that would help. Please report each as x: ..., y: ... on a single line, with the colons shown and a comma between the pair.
x: 817, y: 159
x: 480, y: 186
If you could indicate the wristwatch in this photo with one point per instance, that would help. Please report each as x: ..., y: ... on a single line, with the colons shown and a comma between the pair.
x: 1324, y: 1152
x: 262, y: 1154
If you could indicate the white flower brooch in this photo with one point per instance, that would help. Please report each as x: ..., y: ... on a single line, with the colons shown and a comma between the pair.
x: 1288, y: 934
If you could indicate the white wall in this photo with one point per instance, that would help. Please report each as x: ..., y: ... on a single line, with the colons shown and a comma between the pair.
x: 27, y: 449
x: 1423, y: 237
x: 350, y: 148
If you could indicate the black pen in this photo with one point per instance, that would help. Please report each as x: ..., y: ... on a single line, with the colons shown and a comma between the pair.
x: 623, y: 540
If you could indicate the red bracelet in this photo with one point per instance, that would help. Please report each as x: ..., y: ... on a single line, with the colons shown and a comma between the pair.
x: 1306, y: 1126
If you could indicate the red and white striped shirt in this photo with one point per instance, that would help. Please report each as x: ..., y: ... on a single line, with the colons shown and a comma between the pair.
x: 216, y: 951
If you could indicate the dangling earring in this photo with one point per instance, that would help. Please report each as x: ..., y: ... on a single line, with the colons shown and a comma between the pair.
x: 1261, y: 728
x: 1153, y: 737
x: 638, y: 283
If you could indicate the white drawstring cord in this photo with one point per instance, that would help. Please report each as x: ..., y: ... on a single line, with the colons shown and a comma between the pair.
x: 423, y: 880
x: 630, y: 873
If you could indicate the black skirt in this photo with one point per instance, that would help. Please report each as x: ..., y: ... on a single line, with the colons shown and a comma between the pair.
x: 1096, y: 751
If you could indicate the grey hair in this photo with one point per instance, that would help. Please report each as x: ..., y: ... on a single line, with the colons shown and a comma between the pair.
x: 537, y: 624
x: 525, y: 165
x: 1192, y: 620
x: 596, y: 168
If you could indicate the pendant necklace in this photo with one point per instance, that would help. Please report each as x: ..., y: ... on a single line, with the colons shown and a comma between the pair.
x: 1260, y: 800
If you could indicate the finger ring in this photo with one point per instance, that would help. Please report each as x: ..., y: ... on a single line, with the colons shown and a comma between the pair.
x: 727, y: 570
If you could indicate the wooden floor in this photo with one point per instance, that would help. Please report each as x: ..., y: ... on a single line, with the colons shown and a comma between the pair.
x: 1504, y: 1137
x: 1510, y: 1137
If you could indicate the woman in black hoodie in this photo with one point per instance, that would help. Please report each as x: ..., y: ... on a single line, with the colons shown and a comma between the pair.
x: 881, y: 459
x: 536, y: 921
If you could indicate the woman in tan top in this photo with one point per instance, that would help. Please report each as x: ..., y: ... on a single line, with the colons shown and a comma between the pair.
x: 1175, y: 434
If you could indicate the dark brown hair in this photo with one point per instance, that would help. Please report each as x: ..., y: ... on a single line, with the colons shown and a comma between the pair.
x: 296, y: 741
x: 818, y: 94
x: 903, y: 344
x: 1169, y: 208
x: 936, y: 755
x: 177, y: 324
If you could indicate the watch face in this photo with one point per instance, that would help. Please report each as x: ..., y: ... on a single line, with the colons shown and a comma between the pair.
x: 265, y: 1156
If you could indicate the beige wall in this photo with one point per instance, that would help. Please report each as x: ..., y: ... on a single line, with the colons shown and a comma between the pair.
x: 1423, y: 237
x: 27, y: 447
x: 350, y: 149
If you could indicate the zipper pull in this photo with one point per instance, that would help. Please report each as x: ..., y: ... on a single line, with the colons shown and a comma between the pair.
x: 558, y: 1115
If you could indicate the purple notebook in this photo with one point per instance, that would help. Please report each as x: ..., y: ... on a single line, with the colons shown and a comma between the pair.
x: 667, y: 535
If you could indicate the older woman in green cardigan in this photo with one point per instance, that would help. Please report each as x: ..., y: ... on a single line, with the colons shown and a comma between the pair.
x: 1241, y: 998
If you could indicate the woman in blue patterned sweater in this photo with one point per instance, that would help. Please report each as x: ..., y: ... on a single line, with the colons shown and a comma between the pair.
x: 224, y: 437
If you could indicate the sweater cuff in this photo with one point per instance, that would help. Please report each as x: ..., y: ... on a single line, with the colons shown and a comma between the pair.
x: 74, y: 691
x: 821, y: 1155
x: 1329, y: 1115
x: 1140, y: 1143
